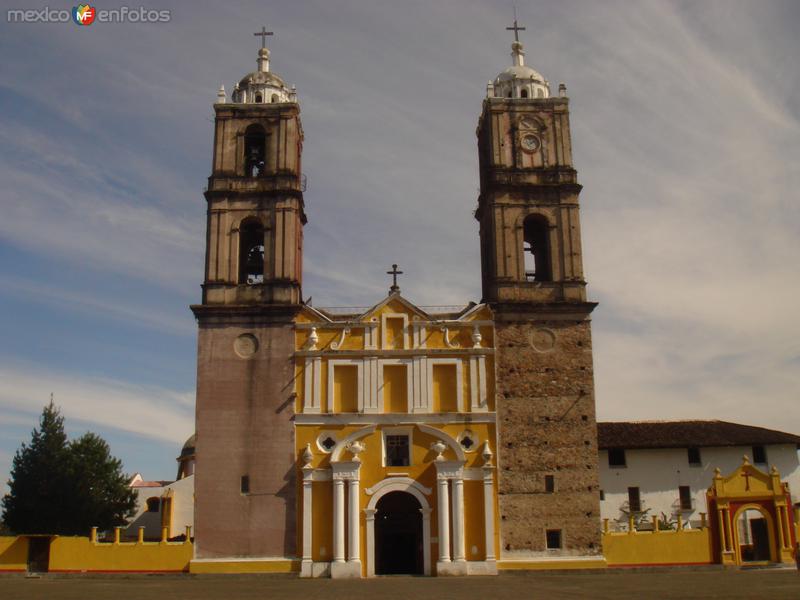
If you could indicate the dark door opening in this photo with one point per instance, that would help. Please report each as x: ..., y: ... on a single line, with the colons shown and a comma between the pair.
x: 38, y: 554
x: 760, y: 539
x: 398, y: 535
x: 754, y: 544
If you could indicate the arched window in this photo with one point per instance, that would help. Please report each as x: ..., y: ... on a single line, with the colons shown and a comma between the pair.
x: 259, y: 99
x: 540, y: 93
x: 536, y: 248
x: 523, y: 93
x: 153, y: 504
x: 274, y: 97
x: 251, y: 252
x: 254, y: 150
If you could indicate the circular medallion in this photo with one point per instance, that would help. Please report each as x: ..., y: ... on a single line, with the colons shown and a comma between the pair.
x: 246, y: 345
x: 543, y: 340
x: 530, y: 142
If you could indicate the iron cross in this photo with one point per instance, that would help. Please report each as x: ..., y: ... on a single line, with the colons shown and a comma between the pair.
x: 394, y: 273
x: 516, y: 28
x: 264, y: 33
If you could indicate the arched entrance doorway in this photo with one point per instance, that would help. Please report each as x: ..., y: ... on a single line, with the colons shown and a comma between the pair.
x: 754, y: 536
x: 398, y: 535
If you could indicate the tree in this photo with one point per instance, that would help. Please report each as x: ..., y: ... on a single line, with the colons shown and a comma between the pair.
x: 37, y: 488
x: 101, y: 495
x: 63, y: 487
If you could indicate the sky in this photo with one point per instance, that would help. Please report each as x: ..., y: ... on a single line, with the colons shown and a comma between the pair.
x: 686, y: 137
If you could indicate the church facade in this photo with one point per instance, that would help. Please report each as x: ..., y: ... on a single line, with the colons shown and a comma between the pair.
x: 396, y: 438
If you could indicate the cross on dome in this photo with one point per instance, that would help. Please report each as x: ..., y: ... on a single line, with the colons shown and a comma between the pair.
x: 264, y: 33
x: 516, y: 28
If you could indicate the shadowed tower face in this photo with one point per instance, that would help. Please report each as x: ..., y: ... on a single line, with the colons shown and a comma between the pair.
x: 532, y: 276
x: 245, y: 486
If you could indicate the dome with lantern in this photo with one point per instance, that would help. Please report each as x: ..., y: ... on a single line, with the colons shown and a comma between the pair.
x: 519, y: 80
x: 262, y: 86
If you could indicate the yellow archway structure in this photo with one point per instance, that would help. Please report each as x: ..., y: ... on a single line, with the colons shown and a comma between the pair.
x: 744, y: 489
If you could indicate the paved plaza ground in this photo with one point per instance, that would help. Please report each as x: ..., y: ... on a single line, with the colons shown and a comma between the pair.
x: 617, y: 585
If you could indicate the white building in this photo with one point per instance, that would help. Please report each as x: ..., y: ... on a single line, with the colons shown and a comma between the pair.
x: 167, y: 504
x: 665, y: 467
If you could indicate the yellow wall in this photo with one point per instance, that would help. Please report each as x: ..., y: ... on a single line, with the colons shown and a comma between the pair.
x: 395, y: 389
x: 13, y: 553
x: 688, y: 547
x: 445, y: 388
x: 345, y: 388
x: 395, y: 333
x: 80, y: 554
x: 322, y: 528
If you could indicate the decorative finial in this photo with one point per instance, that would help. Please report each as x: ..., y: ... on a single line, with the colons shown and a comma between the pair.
x: 307, y: 455
x: 394, y: 273
x: 516, y: 45
x: 745, y: 460
x: 263, y: 52
x: 439, y: 447
x: 221, y: 95
x: 487, y: 454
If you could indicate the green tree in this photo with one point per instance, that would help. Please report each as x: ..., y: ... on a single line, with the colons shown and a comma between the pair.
x: 101, y: 495
x: 65, y: 487
x: 37, y: 488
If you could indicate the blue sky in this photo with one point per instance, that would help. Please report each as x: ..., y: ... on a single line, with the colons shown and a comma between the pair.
x: 686, y: 133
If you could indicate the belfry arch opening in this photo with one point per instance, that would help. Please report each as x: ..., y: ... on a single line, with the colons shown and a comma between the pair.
x: 398, y: 535
x: 536, y: 248
x: 254, y: 151
x: 251, y: 252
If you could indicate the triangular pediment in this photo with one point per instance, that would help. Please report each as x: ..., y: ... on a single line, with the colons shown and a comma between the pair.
x: 394, y: 303
x: 747, y: 481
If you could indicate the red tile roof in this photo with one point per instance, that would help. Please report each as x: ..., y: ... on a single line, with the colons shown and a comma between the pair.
x: 683, y: 434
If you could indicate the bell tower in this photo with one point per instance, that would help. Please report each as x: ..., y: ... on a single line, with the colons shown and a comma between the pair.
x: 244, y: 478
x: 532, y: 276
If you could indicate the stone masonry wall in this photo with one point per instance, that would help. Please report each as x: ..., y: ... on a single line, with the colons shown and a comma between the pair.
x: 244, y: 426
x: 546, y: 420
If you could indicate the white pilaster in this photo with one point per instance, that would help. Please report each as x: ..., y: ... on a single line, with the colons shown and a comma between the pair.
x: 426, y: 540
x: 444, y: 520
x: 458, y: 520
x: 488, y: 512
x: 307, y: 563
x: 338, y: 520
x: 369, y: 520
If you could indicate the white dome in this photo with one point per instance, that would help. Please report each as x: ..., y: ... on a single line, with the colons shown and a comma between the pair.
x: 519, y: 80
x: 262, y: 86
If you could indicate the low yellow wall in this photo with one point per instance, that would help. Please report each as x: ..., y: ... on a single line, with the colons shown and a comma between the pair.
x: 688, y: 547
x: 13, y: 554
x: 80, y: 554
x: 244, y: 566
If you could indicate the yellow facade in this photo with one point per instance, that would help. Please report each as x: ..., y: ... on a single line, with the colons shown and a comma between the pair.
x: 395, y: 379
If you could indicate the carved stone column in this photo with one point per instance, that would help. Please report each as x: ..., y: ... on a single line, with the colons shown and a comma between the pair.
x: 458, y: 520
x: 338, y: 520
x: 444, y: 519
x: 346, y: 471
x: 450, y: 470
x: 353, y: 537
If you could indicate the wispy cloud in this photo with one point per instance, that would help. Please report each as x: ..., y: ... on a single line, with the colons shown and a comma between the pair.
x: 148, y: 411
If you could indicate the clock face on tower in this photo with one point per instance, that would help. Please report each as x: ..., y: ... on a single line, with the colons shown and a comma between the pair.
x: 530, y: 142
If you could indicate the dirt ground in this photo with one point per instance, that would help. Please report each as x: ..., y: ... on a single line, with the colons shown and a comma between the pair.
x: 617, y: 585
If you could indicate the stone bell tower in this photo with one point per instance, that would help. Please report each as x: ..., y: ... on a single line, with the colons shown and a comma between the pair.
x: 244, y: 483
x: 533, y: 278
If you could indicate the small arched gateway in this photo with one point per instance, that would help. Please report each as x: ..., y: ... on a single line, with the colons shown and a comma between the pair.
x: 751, y: 517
